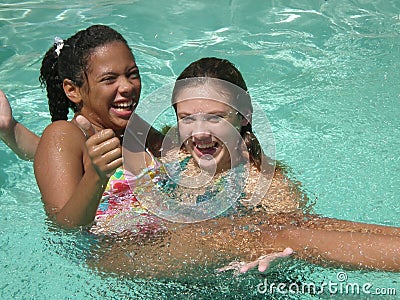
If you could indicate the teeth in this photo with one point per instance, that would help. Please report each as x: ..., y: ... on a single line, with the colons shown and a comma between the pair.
x: 123, y: 105
x: 204, y: 146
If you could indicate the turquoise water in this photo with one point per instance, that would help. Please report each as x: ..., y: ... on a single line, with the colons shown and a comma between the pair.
x: 325, y: 73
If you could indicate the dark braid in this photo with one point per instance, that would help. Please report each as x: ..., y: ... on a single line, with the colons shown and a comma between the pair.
x: 72, y: 63
x: 223, y: 69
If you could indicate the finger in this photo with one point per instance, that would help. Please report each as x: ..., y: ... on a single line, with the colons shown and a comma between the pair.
x: 104, y: 136
x: 249, y: 266
x: 2, y: 95
x: 5, y: 108
x: 108, y: 157
x: 284, y: 253
x: 235, y: 265
x: 101, y: 149
x: 264, y: 264
x: 112, y: 166
x: 288, y: 251
x: 85, y: 125
x: 109, y: 168
x: 266, y: 261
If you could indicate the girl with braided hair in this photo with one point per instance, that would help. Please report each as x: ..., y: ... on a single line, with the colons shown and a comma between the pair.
x: 94, y: 73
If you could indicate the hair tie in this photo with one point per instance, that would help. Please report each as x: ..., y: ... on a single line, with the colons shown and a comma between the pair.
x: 59, y: 44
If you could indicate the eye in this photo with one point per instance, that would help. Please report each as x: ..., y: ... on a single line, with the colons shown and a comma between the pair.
x: 187, y: 119
x: 213, y: 118
x: 134, y: 74
x: 108, y: 79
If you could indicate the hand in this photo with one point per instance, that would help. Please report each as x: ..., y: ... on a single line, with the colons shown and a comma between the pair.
x: 5, y: 114
x: 104, y: 147
x: 262, y: 262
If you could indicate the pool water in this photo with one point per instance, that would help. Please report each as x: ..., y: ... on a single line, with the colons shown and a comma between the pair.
x: 326, y: 73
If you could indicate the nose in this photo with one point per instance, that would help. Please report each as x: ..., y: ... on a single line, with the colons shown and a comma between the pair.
x: 200, y: 128
x: 125, y: 86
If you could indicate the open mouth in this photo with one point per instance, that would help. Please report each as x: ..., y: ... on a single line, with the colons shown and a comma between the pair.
x: 124, y: 106
x: 206, y: 148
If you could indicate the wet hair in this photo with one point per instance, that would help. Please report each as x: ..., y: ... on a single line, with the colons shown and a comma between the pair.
x: 225, y: 70
x: 72, y: 62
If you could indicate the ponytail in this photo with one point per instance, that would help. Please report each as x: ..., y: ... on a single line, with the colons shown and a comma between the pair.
x: 253, y: 146
x: 59, y: 103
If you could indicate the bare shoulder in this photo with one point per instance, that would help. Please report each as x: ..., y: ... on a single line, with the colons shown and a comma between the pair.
x: 284, y: 194
x: 62, y: 127
x: 61, y: 136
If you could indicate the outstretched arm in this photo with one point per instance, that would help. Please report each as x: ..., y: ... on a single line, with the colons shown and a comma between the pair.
x: 216, y: 242
x: 16, y: 136
x: 327, y: 241
x: 353, y: 249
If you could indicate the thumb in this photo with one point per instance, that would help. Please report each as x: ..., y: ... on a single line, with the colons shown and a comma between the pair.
x: 85, y: 125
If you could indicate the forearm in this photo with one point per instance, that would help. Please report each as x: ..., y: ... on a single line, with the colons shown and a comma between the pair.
x: 81, y: 208
x: 21, y: 140
x: 361, y: 250
x: 367, y: 228
x: 332, y: 224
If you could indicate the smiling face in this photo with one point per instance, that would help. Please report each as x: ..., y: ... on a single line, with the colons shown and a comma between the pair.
x: 210, y: 129
x: 112, y: 88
